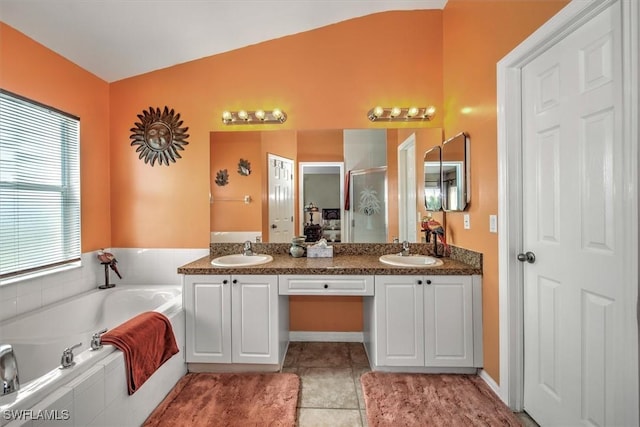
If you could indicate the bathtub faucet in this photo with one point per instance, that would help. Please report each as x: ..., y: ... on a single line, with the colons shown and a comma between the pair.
x: 66, y: 361
x: 8, y: 369
x: 96, y: 340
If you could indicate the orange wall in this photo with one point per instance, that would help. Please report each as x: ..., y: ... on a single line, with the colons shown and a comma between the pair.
x: 35, y: 72
x: 327, y: 78
x: 476, y: 36
x: 321, y: 145
x: 227, y: 148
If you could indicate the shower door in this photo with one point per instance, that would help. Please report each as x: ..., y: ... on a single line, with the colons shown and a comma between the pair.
x: 368, y: 194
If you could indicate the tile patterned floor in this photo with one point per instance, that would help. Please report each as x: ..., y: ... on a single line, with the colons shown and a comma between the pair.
x: 331, y: 394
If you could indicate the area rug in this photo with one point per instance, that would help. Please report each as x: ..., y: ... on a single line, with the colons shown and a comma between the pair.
x: 206, y: 399
x: 394, y: 399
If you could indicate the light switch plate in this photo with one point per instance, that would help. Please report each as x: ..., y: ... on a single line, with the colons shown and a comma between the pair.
x: 493, y: 223
x: 467, y: 222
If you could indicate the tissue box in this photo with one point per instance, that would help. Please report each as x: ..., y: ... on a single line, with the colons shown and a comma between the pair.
x: 318, y: 252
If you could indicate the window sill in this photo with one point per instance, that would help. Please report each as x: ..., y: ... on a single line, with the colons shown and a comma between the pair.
x: 41, y: 273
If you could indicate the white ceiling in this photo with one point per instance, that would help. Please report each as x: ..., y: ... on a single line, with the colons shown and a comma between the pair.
x: 115, y: 39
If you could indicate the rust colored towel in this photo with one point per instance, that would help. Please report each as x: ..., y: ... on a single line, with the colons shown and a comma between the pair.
x: 147, y: 341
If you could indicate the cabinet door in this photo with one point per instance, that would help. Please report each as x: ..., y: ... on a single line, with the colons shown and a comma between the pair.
x: 399, y: 320
x: 448, y: 321
x: 255, y: 319
x: 207, y: 304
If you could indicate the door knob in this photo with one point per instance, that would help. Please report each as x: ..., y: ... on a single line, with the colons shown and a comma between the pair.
x: 529, y: 257
x: 274, y: 226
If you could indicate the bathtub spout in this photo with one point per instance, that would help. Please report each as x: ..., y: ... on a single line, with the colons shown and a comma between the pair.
x: 8, y: 369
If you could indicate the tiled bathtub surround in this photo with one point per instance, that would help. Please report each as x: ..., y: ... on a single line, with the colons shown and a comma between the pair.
x: 138, y: 266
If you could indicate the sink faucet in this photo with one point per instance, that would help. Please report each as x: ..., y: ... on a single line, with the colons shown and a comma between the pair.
x: 405, y: 248
x: 246, y: 250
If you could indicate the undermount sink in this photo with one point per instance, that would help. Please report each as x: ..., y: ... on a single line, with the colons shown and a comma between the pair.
x: 239, y: 260
x: 410, y: 260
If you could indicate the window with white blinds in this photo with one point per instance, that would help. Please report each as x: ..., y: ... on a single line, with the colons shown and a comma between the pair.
x: 39, y: 186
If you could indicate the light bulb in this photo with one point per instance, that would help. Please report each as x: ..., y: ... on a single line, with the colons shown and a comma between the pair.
x: 430, y: 111
x: 378, y: 111
x: 259, y: 114
x: 395, y: 111
x: 226, y: 116
x: 243, y: 115
x: 413, y: 111
x: 277, y: 114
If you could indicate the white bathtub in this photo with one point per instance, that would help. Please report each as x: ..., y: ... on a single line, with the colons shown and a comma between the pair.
x: 39, y: 337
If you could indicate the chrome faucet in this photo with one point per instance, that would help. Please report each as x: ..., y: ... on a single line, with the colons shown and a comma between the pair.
x: 8, y: 370
x: 96, y: 340
x: 66, y: 361
x: 405, y: 248
x: 246, y: 250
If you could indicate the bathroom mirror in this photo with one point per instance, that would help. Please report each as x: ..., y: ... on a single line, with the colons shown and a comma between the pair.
x: 455, y: 173
x: 433, y: 179
x: 233, y: 220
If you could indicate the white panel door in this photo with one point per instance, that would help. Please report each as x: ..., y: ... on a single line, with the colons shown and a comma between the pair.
x: 399, y: 314
x: 572, y: 163
x: 448, y: 321
x: 280, y: 199
x: 255, y: 319
x: 208, y: 318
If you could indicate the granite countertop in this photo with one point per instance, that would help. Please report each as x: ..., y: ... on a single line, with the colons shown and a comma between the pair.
x: 339, y: 264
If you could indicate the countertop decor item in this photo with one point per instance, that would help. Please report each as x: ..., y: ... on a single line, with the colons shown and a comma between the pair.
x: 158, y: 136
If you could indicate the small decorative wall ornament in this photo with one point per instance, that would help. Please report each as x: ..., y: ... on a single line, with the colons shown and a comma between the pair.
x: 244, y: 167
x: 222, y: 177
x: 159, y: 136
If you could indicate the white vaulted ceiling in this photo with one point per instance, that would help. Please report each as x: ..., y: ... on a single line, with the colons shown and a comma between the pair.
x: 116, y: 39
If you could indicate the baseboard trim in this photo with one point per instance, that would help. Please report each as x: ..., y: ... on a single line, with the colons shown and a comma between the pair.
x: 326, y: 336
x: 491, y: 383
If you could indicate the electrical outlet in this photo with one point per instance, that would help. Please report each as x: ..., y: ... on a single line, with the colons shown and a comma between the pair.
x: 467, y: 222
x: 493, y: 223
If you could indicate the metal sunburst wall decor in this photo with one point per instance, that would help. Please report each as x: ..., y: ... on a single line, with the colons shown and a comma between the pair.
x: 159, y: 136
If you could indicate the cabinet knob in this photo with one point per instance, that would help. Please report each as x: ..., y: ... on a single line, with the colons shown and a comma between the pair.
x: 326, y: 286
x: 419, y: 282
x: 428, y: 282
x: 235, y: 281
x: 225, y: 281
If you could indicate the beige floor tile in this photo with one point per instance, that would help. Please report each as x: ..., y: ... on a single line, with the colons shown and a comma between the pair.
x: 526, y: 420
x: 327, y: 388
x: 363, y: 418
x: 324, y: 355
x: 357, y: 372
x: 291, y: 358
x: 357, y: 354
x: 311, y: 417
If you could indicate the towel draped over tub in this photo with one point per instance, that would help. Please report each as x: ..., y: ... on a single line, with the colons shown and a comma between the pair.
x: 147, y: 341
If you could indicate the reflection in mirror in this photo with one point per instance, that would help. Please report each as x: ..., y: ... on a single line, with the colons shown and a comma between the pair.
x: 455, y: 173
x: 322, y: 184
x: 355, y: 149
x: 433, y: 179
x: 369, y: 211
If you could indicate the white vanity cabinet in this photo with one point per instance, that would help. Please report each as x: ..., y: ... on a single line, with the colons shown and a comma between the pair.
x: 325, y: 285
x: 234, y: 319
x: 424, y: 321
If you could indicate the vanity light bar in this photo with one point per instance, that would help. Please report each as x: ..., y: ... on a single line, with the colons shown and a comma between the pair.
x: 390, y: 114
x: 243, y: 117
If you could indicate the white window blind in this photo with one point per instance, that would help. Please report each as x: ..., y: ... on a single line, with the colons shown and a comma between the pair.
x: 39, y: 186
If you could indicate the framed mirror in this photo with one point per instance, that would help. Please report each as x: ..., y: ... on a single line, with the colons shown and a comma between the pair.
x: 433, y: 179
x: 455, y: 173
